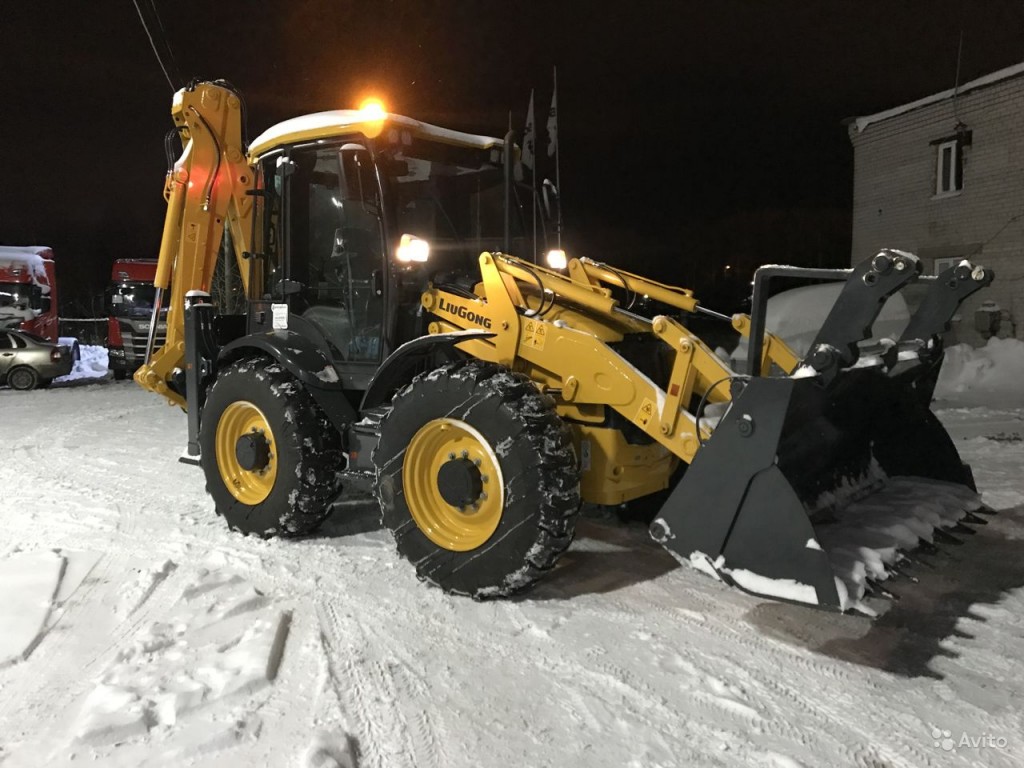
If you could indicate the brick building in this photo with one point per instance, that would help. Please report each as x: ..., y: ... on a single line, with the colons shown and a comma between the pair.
x: 943, y: 177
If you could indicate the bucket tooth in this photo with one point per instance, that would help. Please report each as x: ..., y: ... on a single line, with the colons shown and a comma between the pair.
x: 961, y: 528
x: 905, y: 561
x: 928, y: 548
x: 946, y: 538
x: 985, y: 509
x: 902, y: 574
x: 973, y: 519
x: 875, y: 589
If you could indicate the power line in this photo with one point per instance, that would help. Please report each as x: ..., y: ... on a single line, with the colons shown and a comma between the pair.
x: 166, y: 41
x: 153, y: 45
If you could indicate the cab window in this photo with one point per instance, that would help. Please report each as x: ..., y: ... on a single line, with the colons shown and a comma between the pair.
x: 334, y: 258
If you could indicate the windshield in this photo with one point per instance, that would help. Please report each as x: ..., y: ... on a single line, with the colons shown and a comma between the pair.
x: 453, y: 197
x: 17, y: 295
x: 131, y: 299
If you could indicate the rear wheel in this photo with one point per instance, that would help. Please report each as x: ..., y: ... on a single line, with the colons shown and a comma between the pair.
x: 23, y: 378
x: 477, y: 479
x: 271, y: 459
x: 120, y: 374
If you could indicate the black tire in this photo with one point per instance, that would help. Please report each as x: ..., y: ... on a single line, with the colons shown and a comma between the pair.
x: 44, y: 383
x: 22, y: 378
x: 120, y: 374
x: 306, y: 454
x: 529, y: 443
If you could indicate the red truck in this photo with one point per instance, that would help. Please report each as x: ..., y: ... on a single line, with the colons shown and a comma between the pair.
x: 28, y: 290
x: 130, y: 300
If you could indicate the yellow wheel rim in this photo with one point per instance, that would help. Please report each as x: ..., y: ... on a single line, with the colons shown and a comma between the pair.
x: 248, y: 486
x: 436, y: 443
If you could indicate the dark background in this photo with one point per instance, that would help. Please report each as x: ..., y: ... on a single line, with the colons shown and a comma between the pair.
x: 692, y: 135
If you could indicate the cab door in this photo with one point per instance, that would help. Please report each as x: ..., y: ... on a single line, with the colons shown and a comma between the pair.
x: 328, y: 254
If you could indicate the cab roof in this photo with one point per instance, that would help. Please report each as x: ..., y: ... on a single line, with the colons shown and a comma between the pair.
x: 341, y: 122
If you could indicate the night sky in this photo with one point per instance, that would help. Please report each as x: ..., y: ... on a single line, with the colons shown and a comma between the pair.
x: 692, y: 135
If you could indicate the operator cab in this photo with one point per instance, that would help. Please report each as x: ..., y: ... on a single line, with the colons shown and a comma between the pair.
x: 355, y: 226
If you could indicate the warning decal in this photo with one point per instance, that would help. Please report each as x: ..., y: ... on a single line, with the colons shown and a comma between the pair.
x: 645, y: 414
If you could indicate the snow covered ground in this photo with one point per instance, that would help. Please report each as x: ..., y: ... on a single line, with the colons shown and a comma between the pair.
x: 135, y: 630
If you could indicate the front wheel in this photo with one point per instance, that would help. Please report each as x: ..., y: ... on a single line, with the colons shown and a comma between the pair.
x: 272, y: 460
x: 477, y: 479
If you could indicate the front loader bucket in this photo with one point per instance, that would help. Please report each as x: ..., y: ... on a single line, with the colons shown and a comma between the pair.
x: 809, y: 491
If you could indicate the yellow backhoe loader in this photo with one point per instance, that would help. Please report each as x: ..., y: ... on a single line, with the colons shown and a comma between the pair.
x: 390, y: 341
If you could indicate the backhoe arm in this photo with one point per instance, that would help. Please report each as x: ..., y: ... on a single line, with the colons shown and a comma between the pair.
x: 208, y: 186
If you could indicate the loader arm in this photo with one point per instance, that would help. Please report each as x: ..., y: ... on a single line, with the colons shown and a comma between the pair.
x: 562, y: 332
x: 592, y: 273
x: 209, y: 186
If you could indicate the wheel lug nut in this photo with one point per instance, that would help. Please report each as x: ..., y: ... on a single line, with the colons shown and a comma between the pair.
x: 483, y: 496
x: 451, y: 456
x: 465, y: 454
x: 476, y: 462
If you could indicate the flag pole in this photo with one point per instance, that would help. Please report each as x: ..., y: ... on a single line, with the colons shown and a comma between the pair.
x: 558, y: 164
x: 536, y: 201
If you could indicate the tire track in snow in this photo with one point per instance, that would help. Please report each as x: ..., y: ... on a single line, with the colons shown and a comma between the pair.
x: 761, y: 691
x: 858, y: 746
x: 378, y: 685
x: 823, y: 670
x: 358, y: 681
x: 410, y: 691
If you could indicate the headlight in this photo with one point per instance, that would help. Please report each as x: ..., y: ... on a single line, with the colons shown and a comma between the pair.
x: 412, y: 248
x: 373, y: 109
x: 556, y: 258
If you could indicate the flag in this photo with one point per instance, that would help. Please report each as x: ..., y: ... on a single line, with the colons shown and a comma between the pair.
x: 526, y: 157
x: 553, y: 120
x: 528, y: 137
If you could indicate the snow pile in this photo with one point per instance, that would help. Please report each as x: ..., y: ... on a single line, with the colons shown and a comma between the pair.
x: 29, y: 257
x: 13, y: 315
x: 91, y: 364
x: 869, y: 535
x: 997, y: 369
x: 327, y: 750
x: 864, y: 541
x: 222, y: 639
x: 797, y: 315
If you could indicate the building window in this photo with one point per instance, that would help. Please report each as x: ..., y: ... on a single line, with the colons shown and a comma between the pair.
x: 949, y: 168
x: 941, y: 265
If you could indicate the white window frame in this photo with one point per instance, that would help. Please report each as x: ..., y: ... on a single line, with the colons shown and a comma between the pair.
x: 945, y: 172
